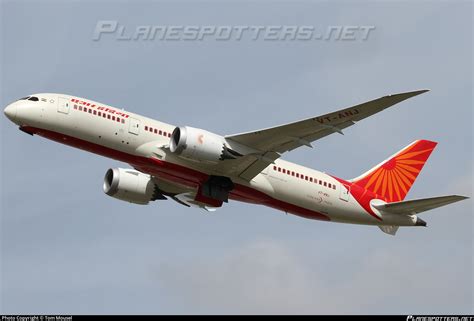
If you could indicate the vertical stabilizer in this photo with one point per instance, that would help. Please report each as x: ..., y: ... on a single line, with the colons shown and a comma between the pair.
x: 392, y: 179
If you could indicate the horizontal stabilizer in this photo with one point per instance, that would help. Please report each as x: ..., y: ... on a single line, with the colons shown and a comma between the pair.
x: 417, y: 206
x: 389, y: 229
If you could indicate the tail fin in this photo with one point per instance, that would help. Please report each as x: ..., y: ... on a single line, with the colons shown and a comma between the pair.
x: 392, y: 179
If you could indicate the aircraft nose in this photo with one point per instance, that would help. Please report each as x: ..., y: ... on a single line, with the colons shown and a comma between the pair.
x: 10, y: 112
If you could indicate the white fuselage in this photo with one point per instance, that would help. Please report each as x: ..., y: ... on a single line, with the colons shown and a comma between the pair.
x: 132, y: 138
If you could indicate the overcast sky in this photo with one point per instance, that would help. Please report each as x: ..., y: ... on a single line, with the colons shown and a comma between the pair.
x: 69, y: 248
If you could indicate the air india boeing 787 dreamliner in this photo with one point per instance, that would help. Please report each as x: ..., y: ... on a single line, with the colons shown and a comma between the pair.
x: 198, y: 168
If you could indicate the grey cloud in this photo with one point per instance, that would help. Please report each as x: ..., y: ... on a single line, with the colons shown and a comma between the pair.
x: 269, y: 277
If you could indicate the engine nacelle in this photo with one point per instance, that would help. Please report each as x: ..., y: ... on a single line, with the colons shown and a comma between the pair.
x: 131, y: 186
x: 200, y: 145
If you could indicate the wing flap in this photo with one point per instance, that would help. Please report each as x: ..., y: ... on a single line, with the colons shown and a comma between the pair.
x: 417, y: 206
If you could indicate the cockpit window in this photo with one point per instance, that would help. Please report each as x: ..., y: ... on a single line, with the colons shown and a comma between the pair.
x: 24, y: 98
x: 33, y: 98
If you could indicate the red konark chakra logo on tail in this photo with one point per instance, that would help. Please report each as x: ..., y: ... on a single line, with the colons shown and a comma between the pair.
x: 393, y: 179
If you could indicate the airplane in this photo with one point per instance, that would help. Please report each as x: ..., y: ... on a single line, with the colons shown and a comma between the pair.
x: 198, y: 168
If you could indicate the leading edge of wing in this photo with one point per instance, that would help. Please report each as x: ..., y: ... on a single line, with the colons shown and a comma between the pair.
x: 394, y: 99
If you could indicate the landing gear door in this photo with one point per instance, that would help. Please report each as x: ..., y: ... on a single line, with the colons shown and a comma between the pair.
x: 63, y: 105
x: 134, y: 127
x: 345, y: 190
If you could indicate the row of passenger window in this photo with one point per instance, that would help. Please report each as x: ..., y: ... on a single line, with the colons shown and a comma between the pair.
x: 100, y: 114
x: 157, y: 131
x: 304, y: 177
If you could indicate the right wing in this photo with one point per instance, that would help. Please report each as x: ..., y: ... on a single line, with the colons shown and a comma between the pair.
x: 417, y: 206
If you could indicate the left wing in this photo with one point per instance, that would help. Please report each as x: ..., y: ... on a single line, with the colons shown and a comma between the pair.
x: 287, y: 137
x: 271, y: 142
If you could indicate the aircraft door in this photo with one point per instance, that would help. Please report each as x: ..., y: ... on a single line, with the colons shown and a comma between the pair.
x: 345, y: 190
x: 134, y: 127
x: 63, y: 105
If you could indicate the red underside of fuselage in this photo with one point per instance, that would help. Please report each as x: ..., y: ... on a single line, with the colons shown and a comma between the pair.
x: 176, y: 173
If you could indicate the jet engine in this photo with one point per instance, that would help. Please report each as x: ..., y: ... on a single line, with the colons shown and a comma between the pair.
x: 200, y: 145
x: 131, y: 186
